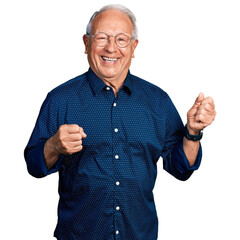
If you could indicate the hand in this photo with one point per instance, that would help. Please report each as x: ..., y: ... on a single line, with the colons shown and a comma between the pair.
x: 68, y: 139
x: 201, y: 115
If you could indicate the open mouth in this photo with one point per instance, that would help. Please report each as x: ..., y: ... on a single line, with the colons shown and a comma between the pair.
x: 106, y: 59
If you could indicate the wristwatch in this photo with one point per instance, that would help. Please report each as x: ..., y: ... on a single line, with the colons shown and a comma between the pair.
x: 193, y: 137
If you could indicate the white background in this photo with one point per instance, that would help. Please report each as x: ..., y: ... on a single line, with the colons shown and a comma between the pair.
x: 185, y: 46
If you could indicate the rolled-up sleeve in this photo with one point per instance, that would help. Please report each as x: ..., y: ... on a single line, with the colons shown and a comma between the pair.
x: 175, y: 161
x: 45, y: 127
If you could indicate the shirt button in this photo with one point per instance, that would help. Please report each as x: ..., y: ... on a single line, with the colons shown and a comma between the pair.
x: 117, y: 183
x: 107, y: 88
x: 117, y: 232
x: 114, y: 104
x: 117, y: 208
x: 116, y: 157
x: 116, y: 130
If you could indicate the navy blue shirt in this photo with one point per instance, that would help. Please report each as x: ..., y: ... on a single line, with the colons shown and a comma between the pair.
x: 106, y: 190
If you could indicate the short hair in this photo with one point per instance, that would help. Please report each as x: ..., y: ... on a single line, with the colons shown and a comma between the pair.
x: 120, y: 8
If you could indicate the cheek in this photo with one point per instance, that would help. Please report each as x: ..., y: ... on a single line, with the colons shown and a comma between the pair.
x: 94, y: 54
x: 126, y: 54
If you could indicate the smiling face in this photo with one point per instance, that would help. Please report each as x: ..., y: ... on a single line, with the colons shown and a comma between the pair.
x: 110, y: 63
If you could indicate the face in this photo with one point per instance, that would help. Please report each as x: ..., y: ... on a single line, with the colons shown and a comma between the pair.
x: 110, y: 63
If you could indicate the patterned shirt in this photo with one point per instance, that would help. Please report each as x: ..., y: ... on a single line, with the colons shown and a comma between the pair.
x: 106, y: 190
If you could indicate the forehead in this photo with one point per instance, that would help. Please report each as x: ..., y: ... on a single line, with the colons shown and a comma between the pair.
x: 112, y: 22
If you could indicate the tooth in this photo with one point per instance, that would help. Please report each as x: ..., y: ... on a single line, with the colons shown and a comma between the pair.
x: 109, y: 59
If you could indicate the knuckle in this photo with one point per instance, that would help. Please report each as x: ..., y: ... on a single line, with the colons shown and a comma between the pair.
x: 81, y: 130
x: 71, y: 127
x: 75, y: 127
x: 63, y: 127
x: 210, y: 99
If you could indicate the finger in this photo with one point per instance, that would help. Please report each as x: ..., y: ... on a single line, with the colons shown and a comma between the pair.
x: 72, y: 150
x: 206, y: 107
x: 75, y: 144
x: 72, y: 128
x: 204, y: 119
x: 208, y: 100
x: 77, y: 149
x: 203, y: 112
x: 83, y: 134
x: 73, y: 137
x: 68, y: 146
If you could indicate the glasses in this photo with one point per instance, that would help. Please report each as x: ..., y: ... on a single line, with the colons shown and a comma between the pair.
x: 122, y: 40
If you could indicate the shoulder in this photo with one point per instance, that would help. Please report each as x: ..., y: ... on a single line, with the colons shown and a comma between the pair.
x: 68, y: 91
x: 71, y: 86
x: 148, y: 89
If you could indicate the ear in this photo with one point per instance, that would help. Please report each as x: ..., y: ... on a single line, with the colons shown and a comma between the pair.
x: 135, y: 43
x: 86, y: 42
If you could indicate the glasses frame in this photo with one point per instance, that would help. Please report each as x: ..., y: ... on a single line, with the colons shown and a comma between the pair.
x: 93, y: 36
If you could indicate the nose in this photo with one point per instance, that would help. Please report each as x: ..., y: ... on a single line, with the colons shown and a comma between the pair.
x: 111, y: 45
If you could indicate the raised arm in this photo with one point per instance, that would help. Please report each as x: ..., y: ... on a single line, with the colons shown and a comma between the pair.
x: 201, y: 115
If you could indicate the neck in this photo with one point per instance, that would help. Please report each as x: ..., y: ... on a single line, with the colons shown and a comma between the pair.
x: 115, y: 82
x: 116, y: 85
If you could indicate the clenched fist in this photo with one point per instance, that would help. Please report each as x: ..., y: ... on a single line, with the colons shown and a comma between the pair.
x: 201, y: 114
x: 67, y: 140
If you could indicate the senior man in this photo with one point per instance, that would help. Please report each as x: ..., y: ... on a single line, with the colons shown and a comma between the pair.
x: 104, y: 132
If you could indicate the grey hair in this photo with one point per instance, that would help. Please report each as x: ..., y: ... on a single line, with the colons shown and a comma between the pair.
x: 120, y: 8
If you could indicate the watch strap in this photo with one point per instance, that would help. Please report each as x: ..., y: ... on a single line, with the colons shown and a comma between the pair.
x: 193, y: 137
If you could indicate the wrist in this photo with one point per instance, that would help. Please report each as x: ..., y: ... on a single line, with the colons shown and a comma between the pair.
x: 192, y: 131
x: 192, y: 135
x: 50, y: 152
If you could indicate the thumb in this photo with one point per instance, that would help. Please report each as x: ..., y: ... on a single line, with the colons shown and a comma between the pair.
x: 199, y: 99
x: 84, y: 135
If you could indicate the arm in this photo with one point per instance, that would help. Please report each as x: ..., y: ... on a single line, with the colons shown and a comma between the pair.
x: 181, y: 157
x: 191, y: 149
x: 199, y: 116
x: 48, y: 141
x: 175, y: 159
x: 45, y: 127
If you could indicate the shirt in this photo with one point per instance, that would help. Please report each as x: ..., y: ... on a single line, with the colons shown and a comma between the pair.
x: 106, y: 190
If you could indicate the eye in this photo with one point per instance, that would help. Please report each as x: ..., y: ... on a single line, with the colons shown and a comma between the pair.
x: 122, y: 39
x: 100, y: 37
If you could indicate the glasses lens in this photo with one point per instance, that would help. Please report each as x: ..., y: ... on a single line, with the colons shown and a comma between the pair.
x: 122, y: 40
x: 101, y: 39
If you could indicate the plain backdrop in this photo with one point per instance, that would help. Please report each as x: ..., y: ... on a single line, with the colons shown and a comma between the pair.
x: 185, y: 46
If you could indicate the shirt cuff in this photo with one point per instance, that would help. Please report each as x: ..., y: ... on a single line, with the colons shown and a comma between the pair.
x: 36, y: 162
x: 180, y: 160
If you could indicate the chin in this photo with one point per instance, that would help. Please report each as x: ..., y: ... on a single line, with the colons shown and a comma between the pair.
x: 109, y: 73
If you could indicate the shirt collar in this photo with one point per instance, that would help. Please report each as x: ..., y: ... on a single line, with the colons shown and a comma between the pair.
x: 98, y: 85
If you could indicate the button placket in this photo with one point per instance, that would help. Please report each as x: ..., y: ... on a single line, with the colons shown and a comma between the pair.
x: 116, y: 162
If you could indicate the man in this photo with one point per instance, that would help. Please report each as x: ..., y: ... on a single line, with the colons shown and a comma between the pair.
x: 104, y: 132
